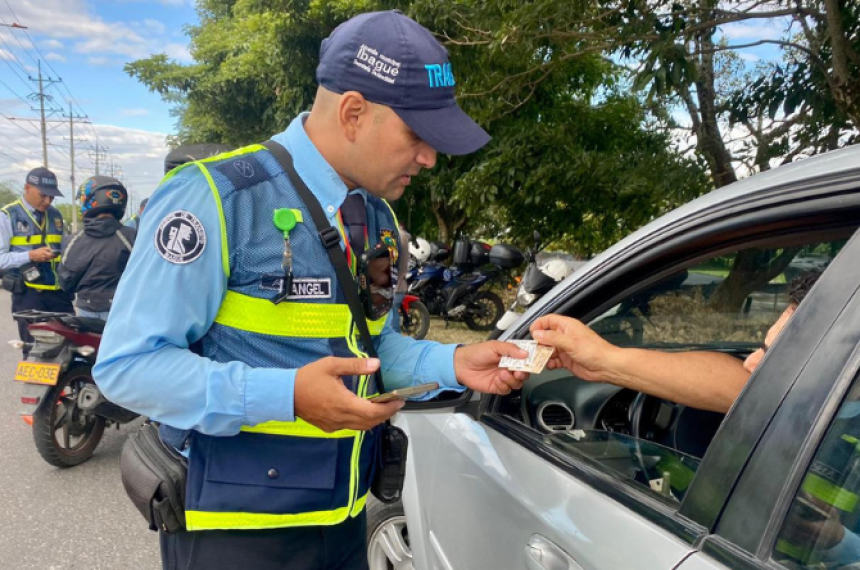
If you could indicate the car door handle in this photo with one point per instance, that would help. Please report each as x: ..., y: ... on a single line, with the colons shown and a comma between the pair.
x: 541, y: 554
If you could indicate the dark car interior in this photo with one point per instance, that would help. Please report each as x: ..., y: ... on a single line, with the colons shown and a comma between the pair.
x: 656, y: 442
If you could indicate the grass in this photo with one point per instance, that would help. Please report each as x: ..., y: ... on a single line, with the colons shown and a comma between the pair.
x: 456, y: 332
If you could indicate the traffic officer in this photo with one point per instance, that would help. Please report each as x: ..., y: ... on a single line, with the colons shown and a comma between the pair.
x: 134, y: 221
x: 269, y: 400
x: 31, y: 234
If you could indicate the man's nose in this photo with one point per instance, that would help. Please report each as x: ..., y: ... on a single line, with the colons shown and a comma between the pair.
x: 426, y: 156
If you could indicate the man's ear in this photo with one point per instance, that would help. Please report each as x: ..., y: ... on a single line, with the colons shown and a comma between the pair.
x: 353, y: 111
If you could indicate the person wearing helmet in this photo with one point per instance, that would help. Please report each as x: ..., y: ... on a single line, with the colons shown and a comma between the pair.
x: 95, y: 257
x: 191, y: 152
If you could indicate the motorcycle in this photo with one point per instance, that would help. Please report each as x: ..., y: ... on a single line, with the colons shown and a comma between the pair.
x: 60, y: 399
x: 536, y: 282
x: 462, y: 290
x: 414, y: 317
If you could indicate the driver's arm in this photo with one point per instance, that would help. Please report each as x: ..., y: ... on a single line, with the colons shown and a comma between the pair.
x: 703, y: 380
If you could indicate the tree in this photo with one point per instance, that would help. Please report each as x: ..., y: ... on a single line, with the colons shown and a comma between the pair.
x: 572, y: 142
x: 8, y: 193
x: 802, y: 105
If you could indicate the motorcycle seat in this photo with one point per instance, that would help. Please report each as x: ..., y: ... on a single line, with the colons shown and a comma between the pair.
x: 87, y: 324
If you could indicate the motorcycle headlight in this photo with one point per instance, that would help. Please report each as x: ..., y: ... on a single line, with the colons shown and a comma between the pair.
x: 524, y: 298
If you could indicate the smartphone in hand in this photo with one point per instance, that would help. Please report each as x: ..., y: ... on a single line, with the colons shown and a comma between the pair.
x: 403, y: 393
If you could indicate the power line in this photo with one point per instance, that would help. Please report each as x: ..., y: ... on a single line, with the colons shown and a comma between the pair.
x: 14, y: 121
x: 13, y: 91
x: 19, y: 41
x: 14, y: 58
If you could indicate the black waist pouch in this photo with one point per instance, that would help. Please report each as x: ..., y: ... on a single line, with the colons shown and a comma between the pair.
x: 154, y: 475
x: 13, y: 282
x: 387, y: 485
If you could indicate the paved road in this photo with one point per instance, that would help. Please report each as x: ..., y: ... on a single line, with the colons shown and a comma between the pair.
x: 62, y: 519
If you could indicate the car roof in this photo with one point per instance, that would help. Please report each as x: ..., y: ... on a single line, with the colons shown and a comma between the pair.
x: 839, y: 164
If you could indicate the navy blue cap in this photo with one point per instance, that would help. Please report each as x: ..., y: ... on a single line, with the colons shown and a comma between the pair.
x: 394, y: 61
x: 44, y: 180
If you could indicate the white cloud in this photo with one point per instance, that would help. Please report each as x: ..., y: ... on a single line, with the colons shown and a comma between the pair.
x: 5, y: 54
x: 179, y: 52
x: 72, y: 21
x: 134, y: 112
x: 51, y: 56
x: 140, y: 155
x: 754, y: 30
x: 155, y: 26
x: 53, y: 44
x: 99, y: 61
x: 163, y: 2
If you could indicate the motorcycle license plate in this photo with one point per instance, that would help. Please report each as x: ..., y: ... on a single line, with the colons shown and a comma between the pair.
x: 37, y: 373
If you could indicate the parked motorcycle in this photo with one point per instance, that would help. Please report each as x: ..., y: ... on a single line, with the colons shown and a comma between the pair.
x: 59, y: 398
x: 462, y: 291
x: 536, y: 282
x: 414, y: 317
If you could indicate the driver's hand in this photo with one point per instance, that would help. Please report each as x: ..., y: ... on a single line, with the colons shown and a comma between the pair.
x: 578, y: 348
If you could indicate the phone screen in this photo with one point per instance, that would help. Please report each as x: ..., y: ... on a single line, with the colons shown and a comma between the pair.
x: 403, y: 393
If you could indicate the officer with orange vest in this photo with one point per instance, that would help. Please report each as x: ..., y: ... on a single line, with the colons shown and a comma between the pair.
x: 231, y: 328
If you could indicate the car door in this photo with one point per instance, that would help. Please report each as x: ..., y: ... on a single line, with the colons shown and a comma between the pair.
x: 485, y: 489
x: 795, y: 504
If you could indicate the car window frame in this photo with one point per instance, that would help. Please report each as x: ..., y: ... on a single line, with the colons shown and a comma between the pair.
x: 807, y: 409
x: 730, y: 230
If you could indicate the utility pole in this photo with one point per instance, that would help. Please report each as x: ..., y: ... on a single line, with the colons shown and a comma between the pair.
x: 98, y: 153
x: 41, y: 96
x: 72, y: 118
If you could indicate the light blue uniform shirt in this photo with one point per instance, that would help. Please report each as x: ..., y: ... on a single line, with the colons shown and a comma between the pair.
x: 11, y: 259
x: 161, y: 308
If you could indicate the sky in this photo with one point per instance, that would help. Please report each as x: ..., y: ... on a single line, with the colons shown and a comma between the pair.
x: 86, y: 43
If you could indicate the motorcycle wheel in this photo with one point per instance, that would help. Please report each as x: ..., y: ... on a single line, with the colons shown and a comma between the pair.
x: 64, y: 435
x: 484, y: 312
x: 419, y: 321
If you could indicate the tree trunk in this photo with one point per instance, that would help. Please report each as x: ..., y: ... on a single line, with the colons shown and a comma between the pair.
x: 710, y: 139
x: 752, y: 270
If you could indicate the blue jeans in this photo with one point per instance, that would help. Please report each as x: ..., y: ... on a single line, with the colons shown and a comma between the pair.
x: 103, y: 315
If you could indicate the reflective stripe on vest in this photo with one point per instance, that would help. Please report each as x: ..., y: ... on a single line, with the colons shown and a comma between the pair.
x: 306, y: 321
x: 35, y: 240
x: 295, y: 320
x: 203, y: 520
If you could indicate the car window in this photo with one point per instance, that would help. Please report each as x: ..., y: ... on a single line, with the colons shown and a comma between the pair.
x: 726, y: 303
x: 658, y: 468
x: 723, y: 302
x: 822, y: 527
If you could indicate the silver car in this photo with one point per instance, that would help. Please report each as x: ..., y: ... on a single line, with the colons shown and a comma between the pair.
x: 567, y: 474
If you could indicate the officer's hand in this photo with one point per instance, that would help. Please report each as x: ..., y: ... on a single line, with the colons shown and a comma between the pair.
x: 320, y: 397
x: 42, y: 254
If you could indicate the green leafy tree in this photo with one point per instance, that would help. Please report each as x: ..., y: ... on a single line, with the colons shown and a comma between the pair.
x: 570, y: 152
x: 8, y: 193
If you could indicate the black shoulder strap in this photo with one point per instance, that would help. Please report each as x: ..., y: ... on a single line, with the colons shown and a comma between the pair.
x: 330, y: 238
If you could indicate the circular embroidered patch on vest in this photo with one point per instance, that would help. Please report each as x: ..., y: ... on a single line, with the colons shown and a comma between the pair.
x: 180, y: 237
